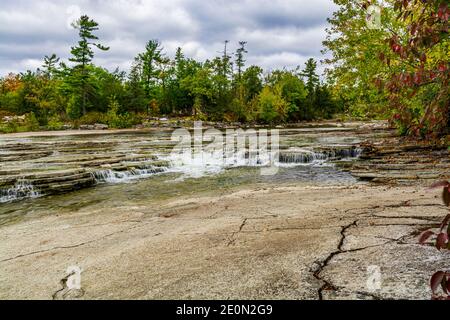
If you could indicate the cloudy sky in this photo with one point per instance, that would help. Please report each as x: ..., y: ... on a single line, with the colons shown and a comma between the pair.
x: 280, y: 33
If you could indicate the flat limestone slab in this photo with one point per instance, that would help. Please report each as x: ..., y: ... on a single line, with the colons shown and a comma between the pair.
x: 279, y: 242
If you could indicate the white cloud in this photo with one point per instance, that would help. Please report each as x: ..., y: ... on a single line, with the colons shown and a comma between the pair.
x: 279, y: 32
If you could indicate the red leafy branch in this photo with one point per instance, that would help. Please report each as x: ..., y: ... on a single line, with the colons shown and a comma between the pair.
x: 441, y: 242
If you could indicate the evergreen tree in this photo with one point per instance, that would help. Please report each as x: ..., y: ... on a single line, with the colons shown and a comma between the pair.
x: 83, y: 54
x: 149, y: 61
x: 312, y: 81
x: 240, y: 59
x: 252, y: 82
x: 324, y: 102
x: 49, y: 66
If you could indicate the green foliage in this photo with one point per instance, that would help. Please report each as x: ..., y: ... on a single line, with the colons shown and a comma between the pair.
x: 55, y: 123
x: 418, y: 90
x: 73, y: 109
x: 116, y: 120
x: 398, y: 71
x: 82, y: 55
x: 92, y: 118
x: 240, y: 60
x: 354, y: 63
x: 252, y: 82
x: 272, y: 106
x: 216, y: 90
x: 29, y: 123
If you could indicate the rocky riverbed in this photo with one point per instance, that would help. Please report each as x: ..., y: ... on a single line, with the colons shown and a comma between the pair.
x: 143, y: 226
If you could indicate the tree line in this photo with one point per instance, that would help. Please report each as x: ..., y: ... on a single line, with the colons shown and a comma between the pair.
x: 398, y: 70
x: 219, y: 89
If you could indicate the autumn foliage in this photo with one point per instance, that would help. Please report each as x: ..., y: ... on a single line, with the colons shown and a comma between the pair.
x: 441, y: 242
x: 422, y: 67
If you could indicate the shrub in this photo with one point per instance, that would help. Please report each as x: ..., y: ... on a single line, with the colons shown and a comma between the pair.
x: 120, y: 121
x: 93, y: 118
x: 9, y: 127
x: 73, y: 110
x: 55, y: 123
x: 272, y: 106
x: 30, y: 124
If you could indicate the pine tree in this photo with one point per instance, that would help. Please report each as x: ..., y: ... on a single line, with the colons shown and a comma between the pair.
x: 312, y: 81
x: 83, y: 54
x: 240, y: 60
x: 149, y: 61
x: 49, y: 66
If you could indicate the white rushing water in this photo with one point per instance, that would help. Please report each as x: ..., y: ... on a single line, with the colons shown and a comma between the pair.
x: 116, y: 159
x: 208, y: 163
x: 111, y: 176
x: 21, y: 190
x: 191, y: 165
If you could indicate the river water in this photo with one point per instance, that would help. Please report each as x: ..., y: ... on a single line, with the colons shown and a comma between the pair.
x: 133, y: 168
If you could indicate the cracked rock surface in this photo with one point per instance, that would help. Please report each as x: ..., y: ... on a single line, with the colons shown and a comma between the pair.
x: 279, y: 242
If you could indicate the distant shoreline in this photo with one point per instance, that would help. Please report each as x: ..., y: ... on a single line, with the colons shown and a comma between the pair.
x: 207, y: 124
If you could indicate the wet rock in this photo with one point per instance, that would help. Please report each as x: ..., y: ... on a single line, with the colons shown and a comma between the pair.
x: 99, y: 126
x: 395, y: 161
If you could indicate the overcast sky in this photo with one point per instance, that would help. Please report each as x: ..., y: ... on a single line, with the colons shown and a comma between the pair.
x: 280, y: 33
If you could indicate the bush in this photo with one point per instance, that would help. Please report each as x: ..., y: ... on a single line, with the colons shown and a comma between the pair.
x: 92, y: 118
x: 30, y: 124
x: 9, y: 127
x: 120, y: 121
x: 55, y: 123
x: 73, y: 110
x: 272, y: 106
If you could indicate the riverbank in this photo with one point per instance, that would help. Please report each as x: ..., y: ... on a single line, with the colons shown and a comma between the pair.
x: 171, y: 124
x: 344, y: 210
x: 46, y: 163
x: 291, y: 242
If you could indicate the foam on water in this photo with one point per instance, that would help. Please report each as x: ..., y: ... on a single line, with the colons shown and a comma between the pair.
x: 114, y: 177
x: 300, y: 157
x: 210, y: 163
x: 20, y: 191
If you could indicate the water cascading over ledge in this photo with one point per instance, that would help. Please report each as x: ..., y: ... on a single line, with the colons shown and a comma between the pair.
x: 318, y: 156
x: 33, y: 186
x: 21, y: 190
x: 111, y: 176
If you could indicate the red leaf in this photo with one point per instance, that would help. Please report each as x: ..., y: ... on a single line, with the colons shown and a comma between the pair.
x: 448, y: 285
x: 441, y: 241
x: 439, y: 184
x: 446, y: 196
x: 436, y: 280
x: 417, y: 78
x: 444, y: 284
x: 425, y: 236
x: 423, y: 57
x: 445, y: 222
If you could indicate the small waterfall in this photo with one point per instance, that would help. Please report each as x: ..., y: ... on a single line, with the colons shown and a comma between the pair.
x: 312, y: 157
x: 20, y: 191
x: 345, y: 153
x: 111, y: 176
x: 302, y: 158
x: 209, y: 163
